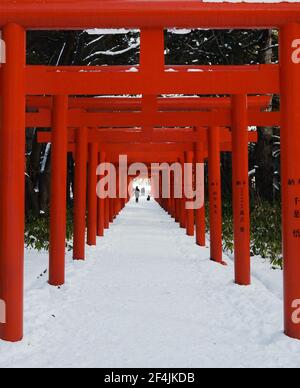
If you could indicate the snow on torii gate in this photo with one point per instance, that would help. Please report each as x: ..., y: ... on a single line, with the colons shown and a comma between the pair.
x: 18, y: 16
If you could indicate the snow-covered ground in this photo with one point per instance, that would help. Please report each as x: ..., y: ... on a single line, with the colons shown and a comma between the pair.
x: 149, y: 297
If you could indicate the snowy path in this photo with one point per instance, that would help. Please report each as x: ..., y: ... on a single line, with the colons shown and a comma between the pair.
x: 149, y: 297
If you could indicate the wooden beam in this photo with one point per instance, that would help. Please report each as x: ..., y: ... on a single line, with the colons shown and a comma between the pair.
x: 69, y: 14
x: 263, y: 79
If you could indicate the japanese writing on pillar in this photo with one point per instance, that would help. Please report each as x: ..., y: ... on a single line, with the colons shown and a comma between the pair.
x: 295, y: 183
x: 242, y: 212
x: 215, y: 186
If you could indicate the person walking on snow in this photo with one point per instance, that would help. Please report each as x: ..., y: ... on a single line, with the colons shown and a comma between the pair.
x: 137, y: 195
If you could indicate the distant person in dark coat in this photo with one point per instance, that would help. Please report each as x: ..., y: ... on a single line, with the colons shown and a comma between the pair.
x: 137, y: 194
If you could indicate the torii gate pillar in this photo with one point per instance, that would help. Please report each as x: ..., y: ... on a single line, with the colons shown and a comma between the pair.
x: 92, y: 195
x: 183, y: 222
x: 81, y: 154
x: 240, y: 179
x: 200, y: 212
x: 190, y: 213
x: 215, y: 200
x: 290, y: 162
x: 100, y: 203
x: 12, y: 169
x: 58, y: 211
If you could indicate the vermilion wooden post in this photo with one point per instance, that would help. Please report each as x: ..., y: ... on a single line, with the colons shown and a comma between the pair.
x: 177, y: 210
x: 101, y: 204
x: 58, y: 190
x: 130, y: 188
x: 215, y: 203
x: 172, y: 200
x: 240, y: 181
x: 177, y: 200
x: 106, y: 206
x: 152, y: 40
x: 80, y: 193
x: 290, y: 178
x: 190, y: 213
x: 117, y: 200
x: 123, y: 186
x: 200, y: 212
x: 177, y: 184
x: 160, y: 191
x: 173, y: 195
x: 106, y: 214
x: 167, y: 200
x: 123, y: 203
x: 12, y: 168
x: 114, y: 207
x: 92, y: 195
x: 169, y: 203
x: 183, y: 201
x: 152, y: 61
x: 111, y: 210
x: 111, y: 203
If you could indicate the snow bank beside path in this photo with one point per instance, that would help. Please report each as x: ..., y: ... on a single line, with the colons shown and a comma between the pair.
x: 149, y: 297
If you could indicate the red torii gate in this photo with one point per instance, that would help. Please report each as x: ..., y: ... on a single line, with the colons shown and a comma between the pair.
x: 151, y: 79
x: 167, y: 153
x: 213, y: 139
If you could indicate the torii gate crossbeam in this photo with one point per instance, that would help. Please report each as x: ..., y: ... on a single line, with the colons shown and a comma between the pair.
x: 72, y: 14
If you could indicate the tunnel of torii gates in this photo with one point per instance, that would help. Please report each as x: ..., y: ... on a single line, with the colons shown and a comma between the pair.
x: 193, y: 145
x: 159, y: 130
